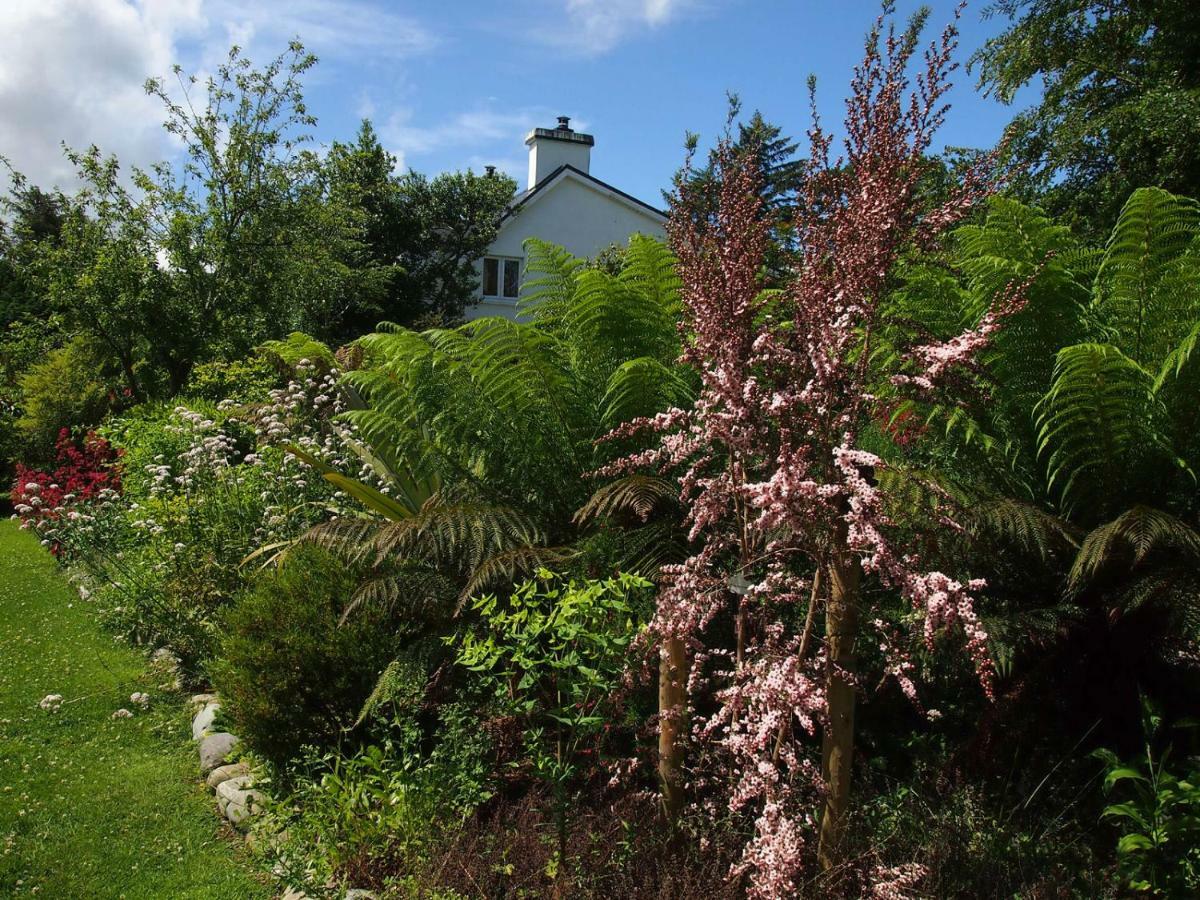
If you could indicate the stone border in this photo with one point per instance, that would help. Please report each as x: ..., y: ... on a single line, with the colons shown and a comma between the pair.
x: 233, y: 783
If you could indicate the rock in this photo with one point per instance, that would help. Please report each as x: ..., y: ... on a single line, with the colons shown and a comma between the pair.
x: 239, y: 802
x: 164, y: 658
x: 224, y: 773
x: 359, y: 894
x: 215, y: 750
x: 202, y: 699
x: 202, y: 724
x: 293, y: 894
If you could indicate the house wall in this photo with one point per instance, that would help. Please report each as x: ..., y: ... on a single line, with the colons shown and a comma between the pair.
x: 573, y: 214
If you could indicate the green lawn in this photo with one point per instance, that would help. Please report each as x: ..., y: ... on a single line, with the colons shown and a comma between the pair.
x: 91, y: 806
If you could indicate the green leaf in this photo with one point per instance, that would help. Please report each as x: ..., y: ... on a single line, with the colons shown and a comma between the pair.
x: 1122, y: 774
x: 1134, y: 843
x: 370, y: 497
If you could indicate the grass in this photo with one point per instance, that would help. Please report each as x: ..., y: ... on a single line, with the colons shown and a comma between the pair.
x: 92, y: 806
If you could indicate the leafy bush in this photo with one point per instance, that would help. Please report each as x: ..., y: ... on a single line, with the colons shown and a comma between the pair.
x: 552, y: 655
x: 978, y: 839
x: 83, y: 473
x: 238, y: 381
x: 67, y: 389
x: 291, y: 672
x: 1160, y: 820
x: 354, y: 816
x: 23, y: 343
x: 208, y: 490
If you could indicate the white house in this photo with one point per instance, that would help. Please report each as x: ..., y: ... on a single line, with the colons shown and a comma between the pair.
x: 563, y: 203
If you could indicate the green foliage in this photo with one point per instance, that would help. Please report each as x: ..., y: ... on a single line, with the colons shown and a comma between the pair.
x: 1119, y: 99
x: 484, y: 433
x: 205, y: 495
x: 239, y: 381
x: 290, y: 670
x: 1098, y: 425
x: 447, y: 224
x: 352, y: 812
x: 552, y: 655
x: 976, y: 839
x: 297, y: 347
x: 780, y: 174
x: 1077, y: 459
x: 1159, y: 822
x: 66, y: 389
x: 23, y: 344
x: 32, y: 217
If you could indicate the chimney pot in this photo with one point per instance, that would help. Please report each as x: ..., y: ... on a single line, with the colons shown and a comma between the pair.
x: 564, y: 123
x: 490, y: 170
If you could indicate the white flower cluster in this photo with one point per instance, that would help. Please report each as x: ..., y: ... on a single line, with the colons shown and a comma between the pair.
x: 51, y: 702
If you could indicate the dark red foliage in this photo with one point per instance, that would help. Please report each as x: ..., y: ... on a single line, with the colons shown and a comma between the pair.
x: 83, y: 471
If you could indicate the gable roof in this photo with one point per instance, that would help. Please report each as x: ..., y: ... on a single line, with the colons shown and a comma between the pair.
x: 528, y: 196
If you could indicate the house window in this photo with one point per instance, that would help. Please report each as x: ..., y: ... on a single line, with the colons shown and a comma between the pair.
x: 501, y: 277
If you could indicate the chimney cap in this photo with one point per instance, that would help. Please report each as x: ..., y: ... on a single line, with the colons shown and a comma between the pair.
x: 490, y: 171
x: 560, y: 134
x: 564, y: 123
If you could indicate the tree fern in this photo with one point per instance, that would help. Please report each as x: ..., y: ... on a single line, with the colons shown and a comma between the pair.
x: 550, y: 283
x: 1146, y: 287
x: 493, y: 425
x: 633, y: 496
x: 1024, y: 526
x: 1097, y: 425
x: 639, y: 388
x: 1128, y: 540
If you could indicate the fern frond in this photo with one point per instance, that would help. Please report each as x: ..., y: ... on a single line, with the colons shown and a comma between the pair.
x: 401, y: 683
x: 1146, y: 290
x: 1098, y: 417
x: 346, y: 538
x: 1025, y: 526
x: 1172, y: 589
x: 549, y: 282
x: 647, y: 549
x: 1022, y: 630
x: 456, y: 536
x: 422, y: 594
x: 510, y: 566
x: 632, y: 496
x: 1127, y: 540
x: 641, y: 387
x: 288, y: 353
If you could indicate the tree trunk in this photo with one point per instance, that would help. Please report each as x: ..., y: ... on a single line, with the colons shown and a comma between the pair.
x: 837, y: 750
x: 672, y: 724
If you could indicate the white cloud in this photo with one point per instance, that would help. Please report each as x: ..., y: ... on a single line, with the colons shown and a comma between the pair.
x: 350, y: 29
x: 72, y: 70
x: 596, y: 26
x: 451, y: 139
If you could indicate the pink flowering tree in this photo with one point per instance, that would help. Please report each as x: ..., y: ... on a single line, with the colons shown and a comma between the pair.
x: 784, y: 503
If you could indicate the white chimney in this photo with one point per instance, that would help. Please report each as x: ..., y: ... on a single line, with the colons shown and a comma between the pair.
x: 550, y: 148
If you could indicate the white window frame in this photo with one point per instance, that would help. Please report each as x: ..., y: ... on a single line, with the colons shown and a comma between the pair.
x: 501, y: 263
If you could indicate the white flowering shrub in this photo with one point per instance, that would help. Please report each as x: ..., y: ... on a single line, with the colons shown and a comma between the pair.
x: 211, y: 492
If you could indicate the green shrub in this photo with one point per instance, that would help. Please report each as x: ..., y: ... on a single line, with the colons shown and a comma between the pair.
x: 353, y: 816
x: 552, y: 655
x: 291, y: 673
x: 1158, y: 817
x: 239, y: 381
x: 67, y: 389
x: 983, y: 840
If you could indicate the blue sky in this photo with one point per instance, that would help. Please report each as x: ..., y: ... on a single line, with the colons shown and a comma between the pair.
x: 458, y: 84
